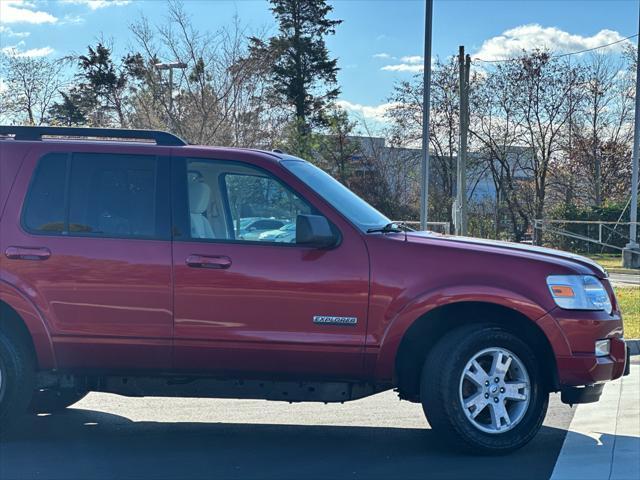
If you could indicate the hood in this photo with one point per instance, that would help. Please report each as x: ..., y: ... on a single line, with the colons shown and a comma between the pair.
x: 513, y: 247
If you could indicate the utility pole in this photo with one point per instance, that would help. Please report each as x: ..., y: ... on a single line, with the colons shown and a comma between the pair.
x: 631, y: 252
x: 171, y: 66
x: 426, y: 105
x: 464, y: 64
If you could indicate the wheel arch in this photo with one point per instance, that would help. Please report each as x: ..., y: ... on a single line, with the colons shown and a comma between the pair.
x: 426, y: 330
x: 18, y: 315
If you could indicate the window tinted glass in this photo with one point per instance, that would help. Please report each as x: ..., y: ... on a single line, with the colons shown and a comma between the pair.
x: 234, y: 201
x: 107, y: 195
x: 113, y: 195
x: 44, y: 209
x: 263, y: 209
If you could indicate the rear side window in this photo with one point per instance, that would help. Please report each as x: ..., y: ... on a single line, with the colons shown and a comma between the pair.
x: 103, y: 195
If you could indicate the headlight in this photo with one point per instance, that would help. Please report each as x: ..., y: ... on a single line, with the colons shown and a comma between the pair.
x: 579, y: 292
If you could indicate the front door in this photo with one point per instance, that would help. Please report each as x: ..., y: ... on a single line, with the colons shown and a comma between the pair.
x: 247, y: 298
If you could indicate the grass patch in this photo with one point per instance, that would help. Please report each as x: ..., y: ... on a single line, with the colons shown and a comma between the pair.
x: 612, y: 262
x: 629, y: 300
x: 607, y: 260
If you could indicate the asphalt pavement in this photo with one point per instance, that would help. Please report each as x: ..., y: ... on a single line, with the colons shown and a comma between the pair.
x: 107, y: 436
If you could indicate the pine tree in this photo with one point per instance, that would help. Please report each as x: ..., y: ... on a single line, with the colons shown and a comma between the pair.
x: 302, y: 72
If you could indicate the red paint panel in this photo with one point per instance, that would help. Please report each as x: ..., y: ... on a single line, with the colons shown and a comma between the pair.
x: 256, y: 315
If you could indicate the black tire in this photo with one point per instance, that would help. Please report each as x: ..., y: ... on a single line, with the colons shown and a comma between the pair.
x: 440, y: 390
x: 51, y: 401
x: 17, y: 377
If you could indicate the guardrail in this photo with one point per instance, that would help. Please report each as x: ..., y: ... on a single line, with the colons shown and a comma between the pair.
x: 604, y: 230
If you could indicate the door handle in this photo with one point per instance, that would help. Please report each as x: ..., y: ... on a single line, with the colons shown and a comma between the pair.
x: 219, y: 262
x: 27, y: 253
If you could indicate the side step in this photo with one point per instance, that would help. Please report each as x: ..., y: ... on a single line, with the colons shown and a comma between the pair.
x: 205, y: 387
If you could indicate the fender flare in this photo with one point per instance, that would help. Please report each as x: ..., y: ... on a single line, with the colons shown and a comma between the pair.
x: 431, y: 300
x: 34, y: 322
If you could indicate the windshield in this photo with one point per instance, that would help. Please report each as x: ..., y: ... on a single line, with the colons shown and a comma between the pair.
x: 359, y: 212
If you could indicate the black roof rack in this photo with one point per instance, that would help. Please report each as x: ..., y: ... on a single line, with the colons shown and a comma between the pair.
x: 36, y: 134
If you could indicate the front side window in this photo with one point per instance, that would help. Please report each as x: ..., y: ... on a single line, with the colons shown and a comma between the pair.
x: 262, y: 209
x: 233, y: 201
x: 103, y: 195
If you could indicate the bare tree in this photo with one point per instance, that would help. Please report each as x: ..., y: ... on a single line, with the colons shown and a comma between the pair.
x: 31, y: 86
x: 524, y: 103
x: 603, y: 127
x: 495, y: 129
x: 406, y: 128
x: 220, y: 97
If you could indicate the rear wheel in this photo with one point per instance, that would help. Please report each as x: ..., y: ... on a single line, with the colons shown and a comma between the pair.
x: 50, y: 401
x: 17, y: 376
x: 482, y: 388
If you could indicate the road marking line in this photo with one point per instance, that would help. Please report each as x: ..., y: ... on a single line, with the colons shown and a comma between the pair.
x: 603, y: 441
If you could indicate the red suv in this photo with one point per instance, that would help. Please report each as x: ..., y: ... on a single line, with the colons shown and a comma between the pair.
x: 152, y: 267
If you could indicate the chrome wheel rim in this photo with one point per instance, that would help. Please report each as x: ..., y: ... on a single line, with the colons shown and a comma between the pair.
x: 495, y: 390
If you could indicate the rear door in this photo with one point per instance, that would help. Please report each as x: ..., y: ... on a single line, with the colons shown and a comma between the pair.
x: 255, y: 302
x: 89, y: 243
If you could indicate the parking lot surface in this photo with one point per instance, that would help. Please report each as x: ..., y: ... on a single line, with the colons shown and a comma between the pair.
x: 107, y: 436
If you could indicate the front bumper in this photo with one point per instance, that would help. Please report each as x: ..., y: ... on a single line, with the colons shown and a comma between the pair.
x: 577, y: 364
x: 587, y: 369
x: 591, y: 393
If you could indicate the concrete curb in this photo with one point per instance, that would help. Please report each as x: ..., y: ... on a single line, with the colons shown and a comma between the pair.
x: 633, y: 345
x: 624, y: 271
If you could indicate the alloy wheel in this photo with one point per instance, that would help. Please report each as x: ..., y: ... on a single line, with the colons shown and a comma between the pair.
x: 495, y: 390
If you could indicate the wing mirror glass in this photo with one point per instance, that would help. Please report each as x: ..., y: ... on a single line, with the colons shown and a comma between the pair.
x: 315, y: 231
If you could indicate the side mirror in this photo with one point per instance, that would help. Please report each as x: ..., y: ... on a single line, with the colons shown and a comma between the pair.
x: 314, y: 230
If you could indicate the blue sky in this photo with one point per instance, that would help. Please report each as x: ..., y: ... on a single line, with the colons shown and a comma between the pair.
x: 378, y: 43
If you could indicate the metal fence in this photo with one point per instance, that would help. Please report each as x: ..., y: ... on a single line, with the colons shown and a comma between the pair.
x: 582, y: 235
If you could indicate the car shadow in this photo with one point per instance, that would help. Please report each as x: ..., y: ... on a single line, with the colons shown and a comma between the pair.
x: 89, y: 444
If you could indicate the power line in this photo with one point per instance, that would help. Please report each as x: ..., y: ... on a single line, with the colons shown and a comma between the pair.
x: 561, y: 55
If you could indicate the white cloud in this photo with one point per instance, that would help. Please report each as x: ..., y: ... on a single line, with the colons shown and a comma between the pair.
x: 528, y: 37
x: 23, y: 11
x: 409, y: 63
x: 98, y: 4
x: 9, y: 33
x: 15, y: 51
x: 403, y: 67
x: 368, y: 112
x: 381, y: 55
x: 412, y: 59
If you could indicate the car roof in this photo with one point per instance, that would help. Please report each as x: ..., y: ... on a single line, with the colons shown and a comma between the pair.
x: 83, y: 136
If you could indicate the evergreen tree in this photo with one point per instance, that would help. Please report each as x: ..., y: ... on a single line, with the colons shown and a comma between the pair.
x: 100, y: 95
x: 71, y: 110
x: 302, y: 72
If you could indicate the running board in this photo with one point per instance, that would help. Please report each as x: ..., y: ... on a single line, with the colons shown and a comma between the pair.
x: 197, y: 387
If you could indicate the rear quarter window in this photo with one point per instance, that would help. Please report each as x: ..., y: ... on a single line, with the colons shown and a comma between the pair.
x: 44, y: 207
x: 11, y: 158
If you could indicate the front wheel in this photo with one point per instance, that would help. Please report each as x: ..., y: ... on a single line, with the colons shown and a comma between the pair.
x: 482, y: 388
